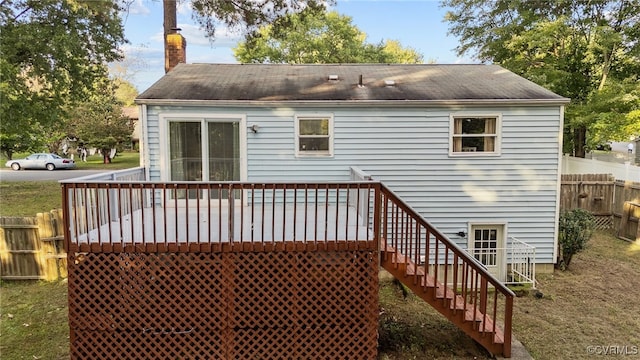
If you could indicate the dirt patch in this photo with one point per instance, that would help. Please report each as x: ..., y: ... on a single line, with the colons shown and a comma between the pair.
x: 410, y: 328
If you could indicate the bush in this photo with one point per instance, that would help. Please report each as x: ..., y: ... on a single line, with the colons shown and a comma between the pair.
x: 575, y: 229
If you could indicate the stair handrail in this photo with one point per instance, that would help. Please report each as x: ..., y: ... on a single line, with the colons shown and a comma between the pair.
x: 461, y: 254
x: 453, y: 246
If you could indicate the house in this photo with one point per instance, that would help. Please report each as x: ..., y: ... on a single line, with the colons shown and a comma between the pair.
x: 475, y: 149
x: 132, y: 113
x: 269, y: 195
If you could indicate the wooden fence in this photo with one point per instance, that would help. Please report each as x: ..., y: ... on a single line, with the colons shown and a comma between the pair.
x: 615, y: 203
x: 31, y: 248
x: 626, y: 210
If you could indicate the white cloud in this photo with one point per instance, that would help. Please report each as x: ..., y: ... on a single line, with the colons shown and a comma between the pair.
x: 140, y: 49
x: 137, y: 7
x: 196, y: 36
x: 463, y: 60
x: 158, y: 37
x: 184, y: 8
x: 193, y: 34
x: 213, y: 55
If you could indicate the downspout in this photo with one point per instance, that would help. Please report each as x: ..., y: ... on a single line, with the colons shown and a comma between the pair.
x: 144, y: 156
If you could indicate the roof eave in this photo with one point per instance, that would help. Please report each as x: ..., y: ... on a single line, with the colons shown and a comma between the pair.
x: 355, y: 103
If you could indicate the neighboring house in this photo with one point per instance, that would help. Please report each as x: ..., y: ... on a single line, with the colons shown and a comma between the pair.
x: 475, y: 149
x: 132, y: 112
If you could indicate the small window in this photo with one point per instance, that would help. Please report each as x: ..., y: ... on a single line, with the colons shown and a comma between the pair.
x: 471, y: 135
x: 314, y: 136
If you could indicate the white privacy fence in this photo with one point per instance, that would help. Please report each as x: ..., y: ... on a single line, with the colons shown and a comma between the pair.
x: 626, y: 171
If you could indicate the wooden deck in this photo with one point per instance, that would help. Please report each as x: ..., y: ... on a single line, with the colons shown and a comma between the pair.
x: 245, y: 224
x: 240, y: 237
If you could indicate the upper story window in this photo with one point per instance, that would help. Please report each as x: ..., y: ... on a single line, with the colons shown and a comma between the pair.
x: 314, y: 136
x: 475, y: 135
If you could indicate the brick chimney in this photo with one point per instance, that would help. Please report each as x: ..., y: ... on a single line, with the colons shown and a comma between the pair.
x: 174, y: 44
x: 175, y: 51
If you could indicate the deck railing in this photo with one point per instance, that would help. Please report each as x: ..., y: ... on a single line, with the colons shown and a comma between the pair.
x: 522, y: 263
x: 521, y: 259
x: 184, y: 215
x: 412, y: 238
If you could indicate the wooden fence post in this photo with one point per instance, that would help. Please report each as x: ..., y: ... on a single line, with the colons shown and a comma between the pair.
x: 49, y: 225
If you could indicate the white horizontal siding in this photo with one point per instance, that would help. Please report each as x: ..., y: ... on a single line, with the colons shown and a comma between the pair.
x: 408, y: 149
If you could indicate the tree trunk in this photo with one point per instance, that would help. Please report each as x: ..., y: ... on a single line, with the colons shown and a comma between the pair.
x: 170, y: 19
x: 170, y: 24
x: 105, y: 156
x: 579, y: 141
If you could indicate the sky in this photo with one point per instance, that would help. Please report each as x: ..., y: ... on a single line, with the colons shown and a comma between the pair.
x: 417, y: 24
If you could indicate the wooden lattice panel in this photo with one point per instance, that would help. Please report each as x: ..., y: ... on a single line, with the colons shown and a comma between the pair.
x: 604, y: 222
x: 230, y: 305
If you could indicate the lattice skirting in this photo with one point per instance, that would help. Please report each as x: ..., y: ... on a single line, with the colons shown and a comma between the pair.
x: 604, y: 222
x: 235, y: 305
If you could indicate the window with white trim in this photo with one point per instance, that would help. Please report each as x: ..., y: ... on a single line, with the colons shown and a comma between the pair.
x: 485, y: 244
x: 471, y: 135
x: 314, y: 136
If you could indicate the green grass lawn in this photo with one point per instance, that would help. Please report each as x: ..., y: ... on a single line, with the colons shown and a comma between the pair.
x: 27, y: 198
x: 34, y: 320
x: 123, y: 160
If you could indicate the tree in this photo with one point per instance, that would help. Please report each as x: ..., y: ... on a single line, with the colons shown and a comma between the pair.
x: 578, y: 49
x: 575, y: 228
x: 608, y: 114
x: 125, y: 92
x: 100, y: 122
x: 124, y: 71
x: 51, y: 53
x: 250, y: 15
x: 316, y: 38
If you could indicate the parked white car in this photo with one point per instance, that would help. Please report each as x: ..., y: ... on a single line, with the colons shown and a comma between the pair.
x: 41, y: 161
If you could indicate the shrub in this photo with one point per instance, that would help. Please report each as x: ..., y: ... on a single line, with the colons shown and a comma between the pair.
x: 575, y: 229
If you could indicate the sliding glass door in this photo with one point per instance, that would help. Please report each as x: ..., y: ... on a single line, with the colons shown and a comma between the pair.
x: 204, y: 150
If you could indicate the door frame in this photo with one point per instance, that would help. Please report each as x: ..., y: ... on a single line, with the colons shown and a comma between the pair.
x: 500, y: 269
x: 202, y: 118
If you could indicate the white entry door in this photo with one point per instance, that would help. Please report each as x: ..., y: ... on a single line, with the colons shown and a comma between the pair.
x: 487, y: 244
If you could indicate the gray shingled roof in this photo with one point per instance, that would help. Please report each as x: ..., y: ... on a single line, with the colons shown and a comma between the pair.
x: 267, y: 82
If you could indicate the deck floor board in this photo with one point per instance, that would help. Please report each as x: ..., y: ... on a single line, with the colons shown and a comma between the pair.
x: 214, y: 225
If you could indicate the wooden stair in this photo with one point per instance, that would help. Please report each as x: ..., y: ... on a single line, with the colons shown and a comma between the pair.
x: 467, y: 316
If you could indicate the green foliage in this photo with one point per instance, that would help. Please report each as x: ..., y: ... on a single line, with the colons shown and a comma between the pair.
x: 251, y: 15
x: 575, y: 229
x: 587, y: 51
x: 125, y: 92
x: 611, y: 114
x: 100, y: 122
x: 319, y: 38
x: 51, y: 53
